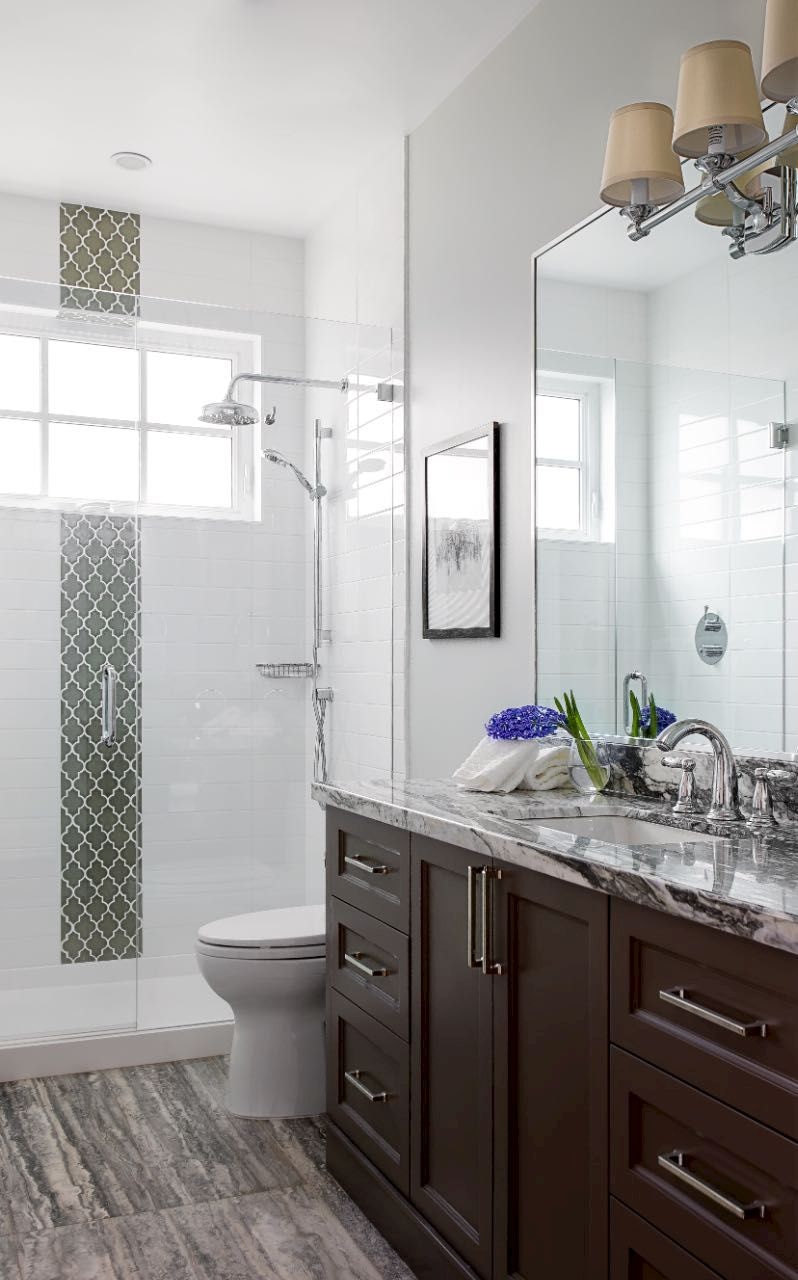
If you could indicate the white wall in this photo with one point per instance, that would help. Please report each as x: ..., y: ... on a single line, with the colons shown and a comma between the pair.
x: 507, y: 163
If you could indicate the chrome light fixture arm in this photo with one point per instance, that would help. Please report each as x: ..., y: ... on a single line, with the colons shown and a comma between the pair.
x: 720, y: 181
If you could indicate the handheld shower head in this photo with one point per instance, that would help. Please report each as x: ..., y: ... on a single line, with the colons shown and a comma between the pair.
x: 229, y: 413
x: 312, y: 490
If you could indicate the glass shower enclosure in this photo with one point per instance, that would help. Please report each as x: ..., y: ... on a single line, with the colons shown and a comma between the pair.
x: 152, y: 569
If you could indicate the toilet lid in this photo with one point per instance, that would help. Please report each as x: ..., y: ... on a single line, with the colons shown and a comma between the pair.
x: 282, y: 927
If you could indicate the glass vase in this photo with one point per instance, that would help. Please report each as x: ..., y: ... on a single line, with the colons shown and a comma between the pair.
x: 589, y: 765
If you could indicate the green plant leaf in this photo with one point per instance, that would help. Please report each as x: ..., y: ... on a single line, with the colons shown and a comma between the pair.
x: 635, y: 705
x: 653, y: 726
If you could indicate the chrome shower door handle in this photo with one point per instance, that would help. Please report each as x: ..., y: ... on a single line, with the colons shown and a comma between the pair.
x: 108, y: 705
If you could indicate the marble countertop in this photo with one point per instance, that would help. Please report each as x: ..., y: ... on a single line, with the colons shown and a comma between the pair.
x: 718, y: 876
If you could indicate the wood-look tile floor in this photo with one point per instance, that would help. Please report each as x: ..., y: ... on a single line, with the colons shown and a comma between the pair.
x: 141, y: 1174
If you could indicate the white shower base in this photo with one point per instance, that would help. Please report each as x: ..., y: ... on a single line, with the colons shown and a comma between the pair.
x: 50, y: 1008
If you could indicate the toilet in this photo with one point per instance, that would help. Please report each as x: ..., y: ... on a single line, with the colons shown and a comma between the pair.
x: 269, y: 966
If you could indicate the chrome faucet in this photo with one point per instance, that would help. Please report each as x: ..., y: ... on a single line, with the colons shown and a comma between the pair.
x: 725, y: 806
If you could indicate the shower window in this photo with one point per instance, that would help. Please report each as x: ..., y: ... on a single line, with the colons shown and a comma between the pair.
x: 102, y: 419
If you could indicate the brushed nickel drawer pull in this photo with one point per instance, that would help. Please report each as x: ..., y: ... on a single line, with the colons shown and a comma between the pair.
x: 674, y: 1164
x: 362, y: 864
x: 679, y: 997
x: 355, y: 958
x: 355, y: 1078
x: 490, y: 967
x: 474, y: 961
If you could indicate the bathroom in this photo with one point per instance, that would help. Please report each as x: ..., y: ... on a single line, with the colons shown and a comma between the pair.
x: 328, y: 946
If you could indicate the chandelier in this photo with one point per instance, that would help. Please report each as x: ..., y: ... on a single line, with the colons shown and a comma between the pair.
x: 749, y: 186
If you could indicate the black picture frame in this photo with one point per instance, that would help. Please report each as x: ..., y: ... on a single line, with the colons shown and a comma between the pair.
x: 485, y: 597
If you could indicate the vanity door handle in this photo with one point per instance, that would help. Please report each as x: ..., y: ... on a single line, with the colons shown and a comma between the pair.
x: 490, y: 967
x: 474, y: 960
x: 355, y: 958
x: 674, y: 1163
x: 679, y: 997
x: 363, y: 864
x: 355, y: 1078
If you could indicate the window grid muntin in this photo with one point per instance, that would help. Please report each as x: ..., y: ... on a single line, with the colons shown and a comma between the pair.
x: 217, y: 345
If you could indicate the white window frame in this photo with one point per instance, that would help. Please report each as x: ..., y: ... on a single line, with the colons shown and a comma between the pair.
x: 588, y: 465
x: 241, y: 349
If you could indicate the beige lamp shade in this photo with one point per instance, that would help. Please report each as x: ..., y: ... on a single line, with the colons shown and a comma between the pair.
x: 717, y: 88
x: 780, y: 52
x: 639, y: 164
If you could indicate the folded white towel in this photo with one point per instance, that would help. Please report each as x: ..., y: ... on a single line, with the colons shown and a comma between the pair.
x: 533, y: 764
x: 549, y: 771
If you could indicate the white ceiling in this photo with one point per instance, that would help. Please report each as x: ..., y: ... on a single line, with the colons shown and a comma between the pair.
x: 256, y: 113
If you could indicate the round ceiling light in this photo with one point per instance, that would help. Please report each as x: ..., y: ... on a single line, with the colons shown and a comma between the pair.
x: 131, y: 160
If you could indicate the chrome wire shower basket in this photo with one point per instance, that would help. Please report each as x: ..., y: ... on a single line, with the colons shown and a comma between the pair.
x: 285, y: 670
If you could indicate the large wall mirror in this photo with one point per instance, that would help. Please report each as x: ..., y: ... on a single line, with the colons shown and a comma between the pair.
x: 667, y: 504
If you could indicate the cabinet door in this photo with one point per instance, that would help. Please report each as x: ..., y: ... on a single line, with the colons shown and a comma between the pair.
x: 451, y: 1071
x: 550, y: 1117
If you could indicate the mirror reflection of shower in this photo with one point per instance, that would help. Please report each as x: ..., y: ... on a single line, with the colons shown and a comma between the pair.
x: 230, y: 412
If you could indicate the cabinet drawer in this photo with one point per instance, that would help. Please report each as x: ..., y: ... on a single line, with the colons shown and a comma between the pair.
x: 722, y: 1185
x: 367, y: 963
x: 368, y: 1086
x: 720, y: 1012
x: 639, y: 1252
x: 368, y: 866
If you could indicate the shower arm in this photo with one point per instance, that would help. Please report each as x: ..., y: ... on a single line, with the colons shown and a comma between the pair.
x: 277, y: 379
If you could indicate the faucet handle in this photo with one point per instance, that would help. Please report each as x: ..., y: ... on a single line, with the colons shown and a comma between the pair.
x: 762, y: 818
x: 685, y: 800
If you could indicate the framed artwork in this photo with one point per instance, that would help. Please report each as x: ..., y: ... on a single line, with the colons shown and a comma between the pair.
x: 460, y: 572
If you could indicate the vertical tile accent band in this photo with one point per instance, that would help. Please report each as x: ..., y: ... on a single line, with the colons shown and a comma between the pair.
x: 100, y: 258
x: 100, y: 785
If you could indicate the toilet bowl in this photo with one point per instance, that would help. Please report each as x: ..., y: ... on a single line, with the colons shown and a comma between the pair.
x: 269, y: 966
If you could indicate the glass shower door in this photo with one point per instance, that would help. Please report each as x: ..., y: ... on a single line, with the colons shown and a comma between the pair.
x: 69, y: 684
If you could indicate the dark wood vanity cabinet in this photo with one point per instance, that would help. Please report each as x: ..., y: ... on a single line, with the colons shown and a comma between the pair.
x: 506, y: 1119
x: 529, y: 1080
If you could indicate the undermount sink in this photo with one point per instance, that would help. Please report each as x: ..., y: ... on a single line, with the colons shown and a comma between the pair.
x: 619, y: 830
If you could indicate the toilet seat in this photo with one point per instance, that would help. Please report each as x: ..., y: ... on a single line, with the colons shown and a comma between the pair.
x: 284, y: 933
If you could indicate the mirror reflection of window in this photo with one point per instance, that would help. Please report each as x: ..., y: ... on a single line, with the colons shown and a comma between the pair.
x: 567, y: 450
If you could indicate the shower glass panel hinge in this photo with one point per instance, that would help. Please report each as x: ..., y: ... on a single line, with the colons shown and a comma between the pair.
x: 779, y: 434
x: 325, y: 636
x: 323, y: 433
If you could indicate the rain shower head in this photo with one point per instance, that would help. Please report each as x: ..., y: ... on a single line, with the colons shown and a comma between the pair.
x: 313, y: 491
x: 229, y: 413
